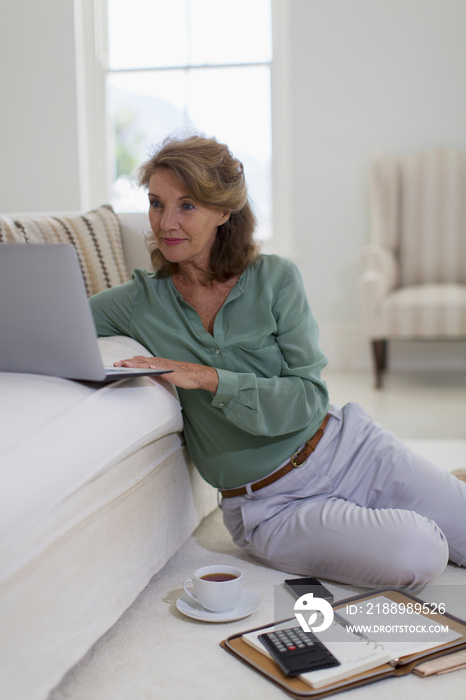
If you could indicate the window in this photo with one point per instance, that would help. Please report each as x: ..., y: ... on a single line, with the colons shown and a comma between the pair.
x: 189, y: 64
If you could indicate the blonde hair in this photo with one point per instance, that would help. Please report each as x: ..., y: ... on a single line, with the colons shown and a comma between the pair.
x: 212, y: 177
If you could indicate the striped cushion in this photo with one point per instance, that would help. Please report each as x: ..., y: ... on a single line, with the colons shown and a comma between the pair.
x: 419, y: 213
x: 425, y: 311
x: 95, y: 235
x: 432, y: 245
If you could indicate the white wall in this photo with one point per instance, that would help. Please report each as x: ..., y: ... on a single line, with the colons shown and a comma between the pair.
x: 38, y: 109
x: 363, y: 74
x: 366, y: 74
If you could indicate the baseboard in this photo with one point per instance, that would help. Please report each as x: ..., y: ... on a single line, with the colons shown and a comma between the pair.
x: 347, y: 348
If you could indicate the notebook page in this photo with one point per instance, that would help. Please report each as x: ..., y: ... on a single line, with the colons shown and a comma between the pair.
x: 355, y: 655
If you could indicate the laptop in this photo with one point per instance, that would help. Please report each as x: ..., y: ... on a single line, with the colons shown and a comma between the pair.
x: 46, y: 324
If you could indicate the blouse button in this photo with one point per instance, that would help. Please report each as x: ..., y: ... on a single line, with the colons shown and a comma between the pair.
x: 221, y: 404
x: 217, y: 352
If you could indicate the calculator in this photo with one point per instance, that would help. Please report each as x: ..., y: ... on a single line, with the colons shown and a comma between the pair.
x: 296, y: 651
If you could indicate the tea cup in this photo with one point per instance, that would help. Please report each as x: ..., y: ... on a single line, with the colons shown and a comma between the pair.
x: 217, y: 587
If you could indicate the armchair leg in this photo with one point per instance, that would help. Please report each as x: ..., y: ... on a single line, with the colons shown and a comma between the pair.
x: 379, y: 354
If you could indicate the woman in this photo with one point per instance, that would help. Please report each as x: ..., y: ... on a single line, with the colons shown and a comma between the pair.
x: 306, y: 487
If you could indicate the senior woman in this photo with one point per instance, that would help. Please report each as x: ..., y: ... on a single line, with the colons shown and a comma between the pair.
x: 307, y: 487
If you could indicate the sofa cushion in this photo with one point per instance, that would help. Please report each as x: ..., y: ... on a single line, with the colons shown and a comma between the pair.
x: 426, y: 311
x: 69, y: 439
x: 95, y: 235
x: 135, y: 231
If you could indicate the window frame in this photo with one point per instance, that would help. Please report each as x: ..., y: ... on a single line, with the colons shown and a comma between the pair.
x: 91, y: 72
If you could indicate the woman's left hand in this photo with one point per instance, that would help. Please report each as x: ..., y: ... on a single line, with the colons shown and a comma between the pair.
x: 186, y: 375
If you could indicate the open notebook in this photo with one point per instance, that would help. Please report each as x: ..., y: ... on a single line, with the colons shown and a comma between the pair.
x: 45, y: 318
x: 403, y: 631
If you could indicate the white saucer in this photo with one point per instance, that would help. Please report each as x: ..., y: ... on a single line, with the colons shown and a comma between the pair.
x: 248, y: 603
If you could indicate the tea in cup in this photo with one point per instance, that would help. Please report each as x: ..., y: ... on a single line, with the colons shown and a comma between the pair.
x: 217, y: 588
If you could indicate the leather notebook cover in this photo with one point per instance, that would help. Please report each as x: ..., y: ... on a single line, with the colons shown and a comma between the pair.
x: 298, y: 688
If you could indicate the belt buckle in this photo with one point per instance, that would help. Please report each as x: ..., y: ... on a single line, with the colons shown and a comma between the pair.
x: 296, y: 466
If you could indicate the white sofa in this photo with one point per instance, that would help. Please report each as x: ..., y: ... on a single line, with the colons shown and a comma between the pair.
x: 97, y: 488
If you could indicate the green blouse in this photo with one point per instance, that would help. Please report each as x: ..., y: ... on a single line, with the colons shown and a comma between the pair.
x: 270, y: 397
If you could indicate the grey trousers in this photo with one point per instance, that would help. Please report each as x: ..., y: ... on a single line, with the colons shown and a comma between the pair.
x: 363, y: 509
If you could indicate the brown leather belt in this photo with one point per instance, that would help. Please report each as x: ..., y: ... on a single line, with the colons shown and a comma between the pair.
x: 297, y: 459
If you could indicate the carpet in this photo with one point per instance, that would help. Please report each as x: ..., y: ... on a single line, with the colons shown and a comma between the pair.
x: 156, y: 652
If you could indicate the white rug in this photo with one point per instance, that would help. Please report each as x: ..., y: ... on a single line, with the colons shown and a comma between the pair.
x: 156, y: 652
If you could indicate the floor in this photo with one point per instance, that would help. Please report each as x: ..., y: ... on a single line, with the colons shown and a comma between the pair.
x: 156, y: 652
x: 413, y: 405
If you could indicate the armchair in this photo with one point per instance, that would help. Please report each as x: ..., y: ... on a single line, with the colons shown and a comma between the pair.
x: 414, y: 280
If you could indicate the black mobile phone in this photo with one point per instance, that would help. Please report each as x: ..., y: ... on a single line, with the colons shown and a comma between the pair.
x: 300, y: 586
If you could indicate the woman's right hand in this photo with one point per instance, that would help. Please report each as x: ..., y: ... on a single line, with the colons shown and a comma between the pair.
x: 186, y: 375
